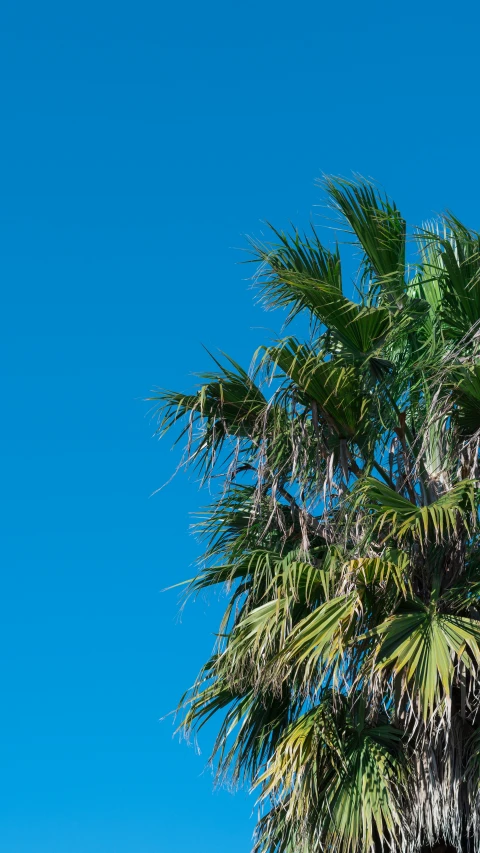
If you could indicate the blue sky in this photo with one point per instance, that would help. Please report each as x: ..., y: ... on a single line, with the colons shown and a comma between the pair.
x: 140, y: 142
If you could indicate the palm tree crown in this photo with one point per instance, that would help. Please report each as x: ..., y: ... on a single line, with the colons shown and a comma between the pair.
x: 346, y: 675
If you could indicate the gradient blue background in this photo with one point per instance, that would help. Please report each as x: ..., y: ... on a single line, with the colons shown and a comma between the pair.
x: 139, y: 142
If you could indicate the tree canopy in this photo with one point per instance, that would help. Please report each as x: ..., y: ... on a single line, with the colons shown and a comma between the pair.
x: 344, y: 528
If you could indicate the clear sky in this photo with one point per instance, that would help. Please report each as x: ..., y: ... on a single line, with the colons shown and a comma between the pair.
x: 139, y: 143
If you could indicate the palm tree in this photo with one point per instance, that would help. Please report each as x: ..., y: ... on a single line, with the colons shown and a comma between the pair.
x: 344, y: 529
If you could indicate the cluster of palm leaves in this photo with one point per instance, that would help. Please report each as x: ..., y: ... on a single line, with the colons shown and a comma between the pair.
x: 344, y: 530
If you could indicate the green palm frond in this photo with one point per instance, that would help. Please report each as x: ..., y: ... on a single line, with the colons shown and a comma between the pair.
x: 227, y: 404
x: 380, y: 230
x: 455, y: 265
x: 394, y: 567
x: 425, y: 646
x: 341, y: 775
x: 322, y: 637
x: 392, y: 512
x: 297, y: 273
